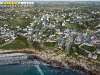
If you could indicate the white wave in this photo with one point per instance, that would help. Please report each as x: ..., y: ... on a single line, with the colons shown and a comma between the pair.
x: 39, y: 69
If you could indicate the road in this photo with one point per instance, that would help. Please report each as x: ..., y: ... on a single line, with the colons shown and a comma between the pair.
x: 7, y: 43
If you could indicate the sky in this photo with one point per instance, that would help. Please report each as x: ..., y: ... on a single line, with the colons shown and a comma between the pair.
x: 49, y: 0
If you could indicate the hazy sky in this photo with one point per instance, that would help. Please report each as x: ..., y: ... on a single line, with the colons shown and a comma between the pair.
x: 49, y: 0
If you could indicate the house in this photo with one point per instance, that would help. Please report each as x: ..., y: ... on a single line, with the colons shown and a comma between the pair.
x: 12, y: 34
x: 78, y: 17
x: 4, y: 29
x: 5, y: 25
x: 7, y: 40
x: 92, y: 55
x: 97, y: 51
x: 87, y: 39
x: 96, y: 39
x: 68, y: 20
x: 97, y: 26
x: 30, y: 30
x: 29, y: 38
x: 67, y: 49
x: 79, y: 39
x: 18, y: 28
x: 72, y: 37
x: 64, y: 23
x: 37, y: 39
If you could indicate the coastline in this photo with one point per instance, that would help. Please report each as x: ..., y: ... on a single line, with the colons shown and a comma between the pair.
x: 59, y: 60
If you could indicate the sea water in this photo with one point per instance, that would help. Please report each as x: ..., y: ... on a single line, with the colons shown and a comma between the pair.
x: 37, y: 70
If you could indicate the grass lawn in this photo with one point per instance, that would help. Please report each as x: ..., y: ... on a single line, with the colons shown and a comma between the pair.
x: 98, y: 58
x: 0, y: 38
x: 14, y: 45
x: 50, y: 7
x: 72, y: 26
x: 75, y: 48
x: 89, y: 48
x: 13, y: 22
x: 61, y: 19
x: 49, y: 44
x: 2, y: 41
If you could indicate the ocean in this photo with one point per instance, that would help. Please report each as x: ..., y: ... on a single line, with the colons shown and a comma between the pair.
x: 37, y: 70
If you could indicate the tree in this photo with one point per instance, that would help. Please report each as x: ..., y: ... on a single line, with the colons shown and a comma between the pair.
x: 2, y: 41
x: 37, y: 45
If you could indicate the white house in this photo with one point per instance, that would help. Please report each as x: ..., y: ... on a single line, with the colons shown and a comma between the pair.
x: 92, y: 55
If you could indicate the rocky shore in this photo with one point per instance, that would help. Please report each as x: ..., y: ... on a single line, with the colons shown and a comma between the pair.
x: 58, y: 59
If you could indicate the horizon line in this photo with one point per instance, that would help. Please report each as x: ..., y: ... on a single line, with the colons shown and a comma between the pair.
x: 52, y: 0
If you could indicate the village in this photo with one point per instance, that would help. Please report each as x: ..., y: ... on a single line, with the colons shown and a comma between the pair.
x: 74, y: 31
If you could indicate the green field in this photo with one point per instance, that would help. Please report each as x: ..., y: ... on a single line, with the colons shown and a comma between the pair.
x: 89, y: 48
x: 49, y: 44
x: 72, y: 26
x: 2, y: 41
x: 69, y: 25
x: 56, y: 6
x: 14, y: 45
x: 13, y: 22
